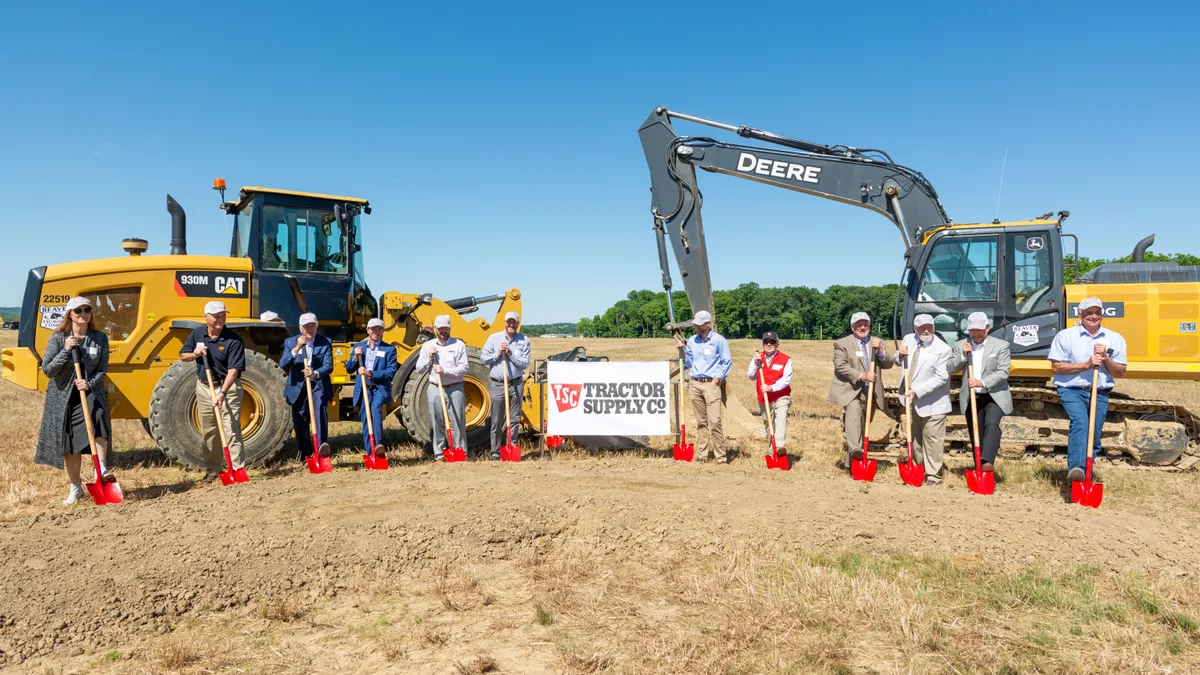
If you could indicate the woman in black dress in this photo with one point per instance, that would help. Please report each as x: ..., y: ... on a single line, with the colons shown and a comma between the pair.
x: 63, y: 439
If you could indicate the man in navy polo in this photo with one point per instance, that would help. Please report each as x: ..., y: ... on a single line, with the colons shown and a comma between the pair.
x: 1073, y: 354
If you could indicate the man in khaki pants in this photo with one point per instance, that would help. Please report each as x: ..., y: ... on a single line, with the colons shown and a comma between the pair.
x: 857, y: 361
x: 706, y: 355
x: 227, y: 355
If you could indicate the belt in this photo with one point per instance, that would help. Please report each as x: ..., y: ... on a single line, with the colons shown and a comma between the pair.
x: 702, y: 379
x: 500, y: 380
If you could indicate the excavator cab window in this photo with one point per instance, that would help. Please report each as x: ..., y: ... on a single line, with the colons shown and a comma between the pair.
x: 1031, y: 271
x: 959, y: 278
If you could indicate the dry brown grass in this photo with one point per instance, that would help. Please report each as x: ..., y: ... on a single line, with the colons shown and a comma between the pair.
x: 480, y: 665
x: 283, y: 608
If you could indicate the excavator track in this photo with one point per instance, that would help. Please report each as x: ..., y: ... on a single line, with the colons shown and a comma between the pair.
x: 1144, y: 432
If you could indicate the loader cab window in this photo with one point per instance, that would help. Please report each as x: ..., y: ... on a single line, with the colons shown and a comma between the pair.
x: 302, y: 240
x: 242, y: 227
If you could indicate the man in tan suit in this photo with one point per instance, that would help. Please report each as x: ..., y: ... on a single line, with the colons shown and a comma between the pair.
x: 857, y: 360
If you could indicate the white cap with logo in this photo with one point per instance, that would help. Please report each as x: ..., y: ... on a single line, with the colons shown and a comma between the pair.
x: 307, y: 318
x: 860, y: 316
x: 977, y: 321
x: 76, y: 302
x: 922, y: 320
x: 702, y: 317
x: 514, y: 316
x: 215, y: 307
x: 1089, y: 303
x: 268, y: 316
x: 375, y: 323
x: 442, y: 321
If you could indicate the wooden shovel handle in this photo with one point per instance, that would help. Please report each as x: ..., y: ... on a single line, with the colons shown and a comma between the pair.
x: 212, y: 393
x: 87, y: 412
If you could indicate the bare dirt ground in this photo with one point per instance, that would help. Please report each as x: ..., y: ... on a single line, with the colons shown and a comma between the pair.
x: 597, y: 562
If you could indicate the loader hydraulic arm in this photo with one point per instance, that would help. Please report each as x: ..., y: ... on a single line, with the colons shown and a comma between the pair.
x: 866, y: 178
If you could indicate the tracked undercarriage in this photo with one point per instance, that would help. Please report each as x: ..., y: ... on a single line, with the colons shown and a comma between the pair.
x: 1139, y: 431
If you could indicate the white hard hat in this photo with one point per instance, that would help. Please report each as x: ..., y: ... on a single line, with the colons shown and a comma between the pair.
x: 375, y: 323
x: 309, y: 317
x: 268, y: 316
x: 442, y: 321
x: 77, y: 301
x: 214, y: 307
x: 860, y: 316
x: 977, y: 320
x: 922, y: 320
x: 1088, y: 303
x: 702, y: 317
x: 514, y: 316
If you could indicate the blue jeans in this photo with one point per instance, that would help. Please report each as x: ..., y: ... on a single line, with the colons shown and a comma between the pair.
x: 378, y: 401
x: 1076, y: 403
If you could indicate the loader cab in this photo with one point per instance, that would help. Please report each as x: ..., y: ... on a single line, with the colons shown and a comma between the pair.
x: 305, y: 257
x: 1010, y: 271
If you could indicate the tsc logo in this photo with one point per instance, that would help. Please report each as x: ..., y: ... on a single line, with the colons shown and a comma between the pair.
x: 566, y: 396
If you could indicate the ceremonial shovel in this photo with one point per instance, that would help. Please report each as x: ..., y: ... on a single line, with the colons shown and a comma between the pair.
x: 104, y: 490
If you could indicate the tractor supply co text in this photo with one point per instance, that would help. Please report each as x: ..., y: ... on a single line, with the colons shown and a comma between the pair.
x: 625, y: 398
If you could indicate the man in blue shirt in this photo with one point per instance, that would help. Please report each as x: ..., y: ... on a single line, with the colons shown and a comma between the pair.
x: 374, y: 361
x: 1073, y: 355
x: 308, y: 356
x: 506, y: 349
x: 707, y: 356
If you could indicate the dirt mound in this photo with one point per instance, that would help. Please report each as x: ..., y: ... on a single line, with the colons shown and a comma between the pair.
x: 91, y: 576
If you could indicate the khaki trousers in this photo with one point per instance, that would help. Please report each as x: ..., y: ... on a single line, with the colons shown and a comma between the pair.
x: 929, y: 435
x: 779, y: 411
x: 214, y: 453
x: 854, y: 421
x: 706, y: 410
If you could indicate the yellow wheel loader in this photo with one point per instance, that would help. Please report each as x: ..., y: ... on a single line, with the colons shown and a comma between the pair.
x: 291, y: 252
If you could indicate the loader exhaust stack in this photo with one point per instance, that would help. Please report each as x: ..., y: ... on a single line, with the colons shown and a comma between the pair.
x: 178, y: 227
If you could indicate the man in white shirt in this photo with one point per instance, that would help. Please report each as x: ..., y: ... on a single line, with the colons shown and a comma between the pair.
x: 929, y: 394
x: 990, y: 360
x: 1073, y: 354
x: 775, y: 389
x: 445, y: 357
x: 506, y: 349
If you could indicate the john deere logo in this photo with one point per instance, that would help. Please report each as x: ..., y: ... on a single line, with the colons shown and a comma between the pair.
x: 211, y: 285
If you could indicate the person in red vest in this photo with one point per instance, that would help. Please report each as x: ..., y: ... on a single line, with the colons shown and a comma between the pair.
x: 776, y: 383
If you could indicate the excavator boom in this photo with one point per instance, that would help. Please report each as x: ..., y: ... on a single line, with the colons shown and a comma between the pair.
x: 865, y: 178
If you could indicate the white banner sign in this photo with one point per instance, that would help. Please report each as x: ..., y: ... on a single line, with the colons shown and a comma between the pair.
x: 608, y: 398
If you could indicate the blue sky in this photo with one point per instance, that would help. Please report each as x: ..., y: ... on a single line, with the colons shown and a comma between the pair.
x: 498, y: 143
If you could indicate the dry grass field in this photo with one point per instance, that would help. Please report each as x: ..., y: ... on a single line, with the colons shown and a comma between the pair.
x: 597, y: 561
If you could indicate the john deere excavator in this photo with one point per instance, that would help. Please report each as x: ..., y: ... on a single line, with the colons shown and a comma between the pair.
x: 1011, y: 271
x: 291, y: 252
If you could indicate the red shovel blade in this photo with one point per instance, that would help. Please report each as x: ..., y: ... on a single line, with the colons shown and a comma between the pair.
x: 375, y: 462
x: 912, y: 473
x: 554, y: 441
x: 863, y: 469
x: 317, y: 464
x: 510, y: 453
x: 981, y: 482
x: 778, y: 462
x: 1085, y: 492
x: 684, y: 451
x: 104, y: 491
x: 229, y: 476
x: 455, y: 455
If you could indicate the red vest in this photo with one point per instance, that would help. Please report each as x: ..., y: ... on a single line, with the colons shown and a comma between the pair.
x: 771, y: 374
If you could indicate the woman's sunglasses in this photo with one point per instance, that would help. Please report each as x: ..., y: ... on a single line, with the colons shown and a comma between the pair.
x: 82, y: 310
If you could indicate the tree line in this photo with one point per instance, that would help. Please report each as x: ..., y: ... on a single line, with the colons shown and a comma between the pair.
x: 794, y: 312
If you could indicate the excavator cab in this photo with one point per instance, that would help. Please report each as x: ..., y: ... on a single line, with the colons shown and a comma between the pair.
x: 306, y: 250
x: 1008, y: 271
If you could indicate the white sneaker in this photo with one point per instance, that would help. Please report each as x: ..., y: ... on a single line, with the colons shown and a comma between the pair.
x: 74, y: 495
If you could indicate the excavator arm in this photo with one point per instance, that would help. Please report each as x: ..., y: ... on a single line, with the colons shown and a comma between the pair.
x: 866, y: 178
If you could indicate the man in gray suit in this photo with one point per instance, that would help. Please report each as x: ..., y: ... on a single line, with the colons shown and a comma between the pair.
x: 989, y: 364
x: 857, y: 361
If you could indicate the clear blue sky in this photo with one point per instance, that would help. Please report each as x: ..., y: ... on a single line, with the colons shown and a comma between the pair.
x: 508, y: 131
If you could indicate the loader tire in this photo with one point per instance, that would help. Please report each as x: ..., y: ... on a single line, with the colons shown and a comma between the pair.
x: 414, y: 409
x: 266, y: 417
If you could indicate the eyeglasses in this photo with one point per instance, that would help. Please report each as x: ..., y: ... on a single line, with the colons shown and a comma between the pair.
x: 82, y: 310
x: 770, y: 342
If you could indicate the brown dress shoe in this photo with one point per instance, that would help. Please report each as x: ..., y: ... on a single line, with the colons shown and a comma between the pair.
x: 987, y: 466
